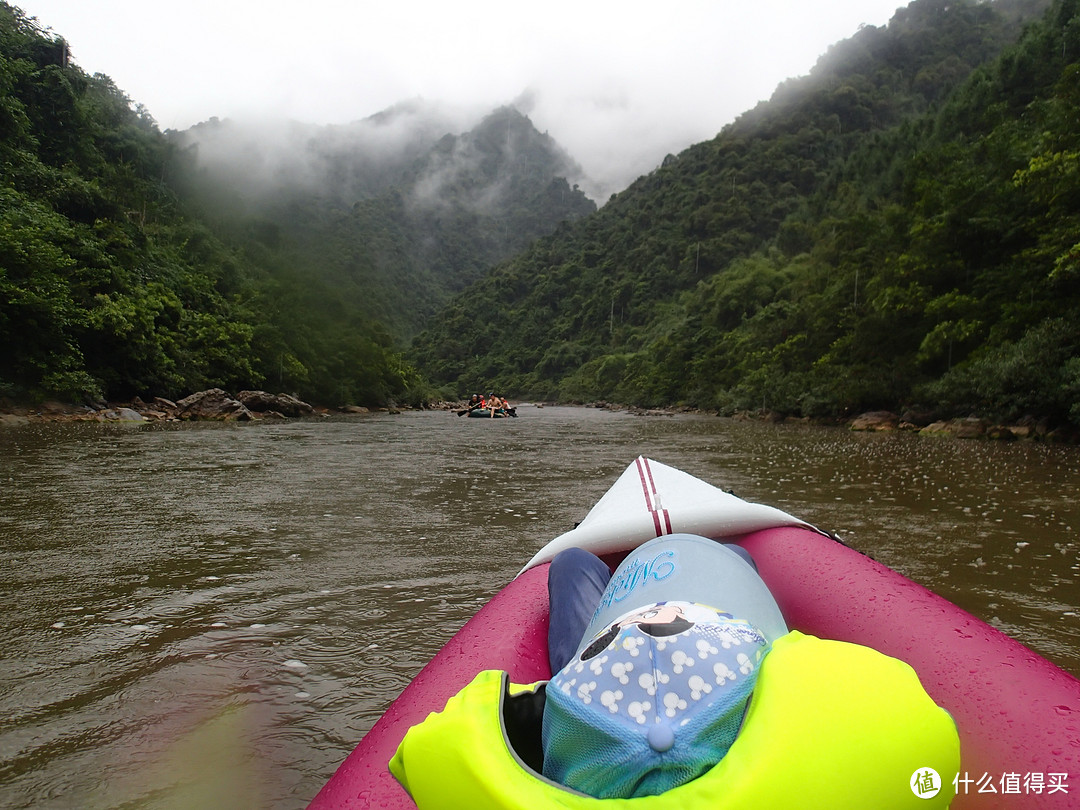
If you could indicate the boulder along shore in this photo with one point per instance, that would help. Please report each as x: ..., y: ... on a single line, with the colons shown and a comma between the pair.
x: 212, y: 404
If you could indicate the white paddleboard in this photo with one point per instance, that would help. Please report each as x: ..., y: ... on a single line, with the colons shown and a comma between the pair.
x: 650, y: 500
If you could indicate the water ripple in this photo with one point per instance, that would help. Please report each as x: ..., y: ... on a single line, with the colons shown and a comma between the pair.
x: 200, y: 614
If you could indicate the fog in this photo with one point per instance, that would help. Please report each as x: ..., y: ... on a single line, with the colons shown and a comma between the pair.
x: 258, y: 163
x: 260, y: 154
x: 618, y: 84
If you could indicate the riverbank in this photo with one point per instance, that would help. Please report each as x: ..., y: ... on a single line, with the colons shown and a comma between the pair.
x: 217, y: 404
x: 214, y: 404
x: 968, y: 427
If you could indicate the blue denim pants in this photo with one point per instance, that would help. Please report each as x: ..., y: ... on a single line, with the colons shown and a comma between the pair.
x: 576, y: 581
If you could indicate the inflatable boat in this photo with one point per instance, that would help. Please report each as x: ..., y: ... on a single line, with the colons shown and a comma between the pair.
x: 1018, y: 714
x: 486, y: 413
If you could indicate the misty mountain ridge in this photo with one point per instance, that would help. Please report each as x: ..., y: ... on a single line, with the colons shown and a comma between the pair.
x: 416, y: 144
x: 394, y: 212
x: 503, y: 154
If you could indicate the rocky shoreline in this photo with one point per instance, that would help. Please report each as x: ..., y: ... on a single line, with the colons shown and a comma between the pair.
x: 215, y: 404
x: 969, y: 427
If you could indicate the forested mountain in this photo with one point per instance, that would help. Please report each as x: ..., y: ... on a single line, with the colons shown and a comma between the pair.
x: 390, y: 213
x: 132, y: 263
x: 898, y: 228
x: 105, y: 285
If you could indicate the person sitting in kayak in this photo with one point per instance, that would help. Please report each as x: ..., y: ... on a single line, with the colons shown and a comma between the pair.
x: 677, y: 682
x: 653, y: 666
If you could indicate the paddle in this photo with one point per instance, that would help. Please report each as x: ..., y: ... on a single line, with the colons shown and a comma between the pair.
x: 467, y: 410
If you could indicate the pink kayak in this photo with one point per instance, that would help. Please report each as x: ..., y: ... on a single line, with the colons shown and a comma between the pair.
x: 1017, y: 713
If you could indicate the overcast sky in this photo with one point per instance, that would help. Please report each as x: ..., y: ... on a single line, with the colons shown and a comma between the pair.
x: 619, y: 83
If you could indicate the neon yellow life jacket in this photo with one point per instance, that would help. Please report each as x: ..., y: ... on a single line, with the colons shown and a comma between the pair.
x: 831, y: 725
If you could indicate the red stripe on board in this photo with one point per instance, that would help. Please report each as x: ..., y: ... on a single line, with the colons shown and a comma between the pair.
x: 646, y: 481
x: 647, y: 490
x: 648, y: 487
x: 648, y: 472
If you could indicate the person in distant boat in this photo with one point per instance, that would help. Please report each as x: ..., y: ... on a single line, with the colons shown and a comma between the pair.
x: 475, y: 401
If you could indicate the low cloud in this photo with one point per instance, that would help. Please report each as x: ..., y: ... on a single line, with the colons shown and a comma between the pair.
x: 619, y: 83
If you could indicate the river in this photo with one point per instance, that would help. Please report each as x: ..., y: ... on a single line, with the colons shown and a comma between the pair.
x: 212, y: 615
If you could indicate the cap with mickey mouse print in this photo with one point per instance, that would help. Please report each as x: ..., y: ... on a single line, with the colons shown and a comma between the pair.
x: 656, y: 695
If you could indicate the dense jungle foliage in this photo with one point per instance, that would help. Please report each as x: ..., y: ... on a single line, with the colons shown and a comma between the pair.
x: 128, y: 267
x: 896, y: 229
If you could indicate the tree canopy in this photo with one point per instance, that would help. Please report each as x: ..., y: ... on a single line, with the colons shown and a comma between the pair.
x: 896, y: 229
x: 130, y: 268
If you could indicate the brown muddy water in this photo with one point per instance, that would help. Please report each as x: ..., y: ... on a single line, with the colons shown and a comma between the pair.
x: 213, y: 615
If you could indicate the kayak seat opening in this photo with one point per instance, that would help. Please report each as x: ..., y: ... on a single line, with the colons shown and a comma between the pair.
x: 522, y: 717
